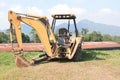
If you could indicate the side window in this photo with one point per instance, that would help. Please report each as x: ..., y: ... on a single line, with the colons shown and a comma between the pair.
x: 72, y: 31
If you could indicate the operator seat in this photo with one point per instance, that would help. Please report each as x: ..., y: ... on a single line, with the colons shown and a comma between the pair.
x: 63, y: 37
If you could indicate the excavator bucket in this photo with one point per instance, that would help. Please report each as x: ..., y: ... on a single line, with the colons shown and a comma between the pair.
x: 20, y: 61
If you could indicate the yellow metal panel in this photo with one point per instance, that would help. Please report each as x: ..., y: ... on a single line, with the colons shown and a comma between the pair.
x: 41, y: 31
x: 12, y: 17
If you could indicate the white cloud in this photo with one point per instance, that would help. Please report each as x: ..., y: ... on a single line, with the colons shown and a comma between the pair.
x: 60, y: 8
x: 105, y: 15
x: 2, y: 4
x: 3, y: 20
x: 65, y: 9
x: 34, y: 10
x: 1, y: 14
x: 106, y: 11
x: 78, y: 1
x: 17, y: 8
x: 79, y: 11
x: 29, y: 10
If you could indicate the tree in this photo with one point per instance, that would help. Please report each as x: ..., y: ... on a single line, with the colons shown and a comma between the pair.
x: 25, y: 38
x: 87, y: 37
x: 96, y: 36
x: 3, y: 38
x: 107, y: 37
x: 34, y: 36
x: 7, y: 32
x: 84, y: 31
x: 116, y: 39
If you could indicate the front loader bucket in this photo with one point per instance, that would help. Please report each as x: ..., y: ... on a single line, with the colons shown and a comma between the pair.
x: 20, y: 61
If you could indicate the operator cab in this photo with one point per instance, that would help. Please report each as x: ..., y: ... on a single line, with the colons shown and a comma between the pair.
x: 66, y: 32
x: 63, y: 37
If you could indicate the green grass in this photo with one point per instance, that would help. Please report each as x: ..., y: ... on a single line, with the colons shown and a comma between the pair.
x: 110, y: 56
x: 7, y: 60
x: 100, y: 54
x: 95, y: 65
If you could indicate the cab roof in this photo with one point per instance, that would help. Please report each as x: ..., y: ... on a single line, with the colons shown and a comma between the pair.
x: 63, y: 16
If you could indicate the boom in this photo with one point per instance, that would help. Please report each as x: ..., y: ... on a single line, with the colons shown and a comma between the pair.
x: 33, y: 21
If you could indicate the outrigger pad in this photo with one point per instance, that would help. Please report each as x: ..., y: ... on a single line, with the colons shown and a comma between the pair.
x: 20, y: 61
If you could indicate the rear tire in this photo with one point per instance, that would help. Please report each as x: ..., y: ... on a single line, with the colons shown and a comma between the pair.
x: 78, y: 54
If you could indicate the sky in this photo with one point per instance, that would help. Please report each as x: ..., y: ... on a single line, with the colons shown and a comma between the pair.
x: 99, y: 11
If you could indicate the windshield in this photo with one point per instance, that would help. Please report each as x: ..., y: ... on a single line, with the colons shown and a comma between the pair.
x: 67, y: 24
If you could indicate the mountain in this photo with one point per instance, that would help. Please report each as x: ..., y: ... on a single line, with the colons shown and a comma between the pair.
x: 99, y: 27
x: 91, y: 26
x: 26, y: 29
x: 102, y: 28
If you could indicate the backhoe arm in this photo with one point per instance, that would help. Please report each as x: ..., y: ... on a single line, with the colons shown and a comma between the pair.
x: 39, y: 26
x: 12, y: 17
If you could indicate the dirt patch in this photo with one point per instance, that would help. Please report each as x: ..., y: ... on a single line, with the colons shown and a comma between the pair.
x: 39, y: 46
x: 66, y: 71
x: 100, y: 45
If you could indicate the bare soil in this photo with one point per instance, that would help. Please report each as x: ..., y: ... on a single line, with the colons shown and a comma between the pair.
x: 65, y: 71
x: 39, y: 46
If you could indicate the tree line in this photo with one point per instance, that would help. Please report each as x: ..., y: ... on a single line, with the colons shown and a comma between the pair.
x: 33, y: 37
x: 97, y: 36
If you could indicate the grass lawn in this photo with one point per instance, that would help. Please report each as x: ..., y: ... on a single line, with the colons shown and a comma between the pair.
x: 95, y: 65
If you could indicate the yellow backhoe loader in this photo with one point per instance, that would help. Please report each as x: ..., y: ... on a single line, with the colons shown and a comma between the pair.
x: 66, y: 44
